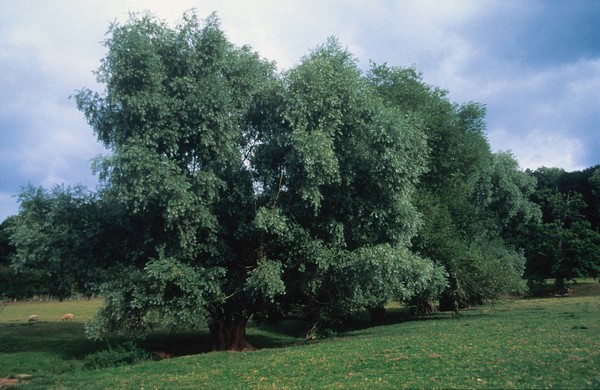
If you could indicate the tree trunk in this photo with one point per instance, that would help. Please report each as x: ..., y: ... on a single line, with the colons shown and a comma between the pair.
x: 449, y: 299
x: 379, y: 316
x: 422, y: 306
x: 560, y: 286
x: 230, y: 335
x: 475, y: 300
x: 447, y: 302
x: 429, y: 307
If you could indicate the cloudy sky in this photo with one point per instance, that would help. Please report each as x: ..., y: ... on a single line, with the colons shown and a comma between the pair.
x: 534, y: 64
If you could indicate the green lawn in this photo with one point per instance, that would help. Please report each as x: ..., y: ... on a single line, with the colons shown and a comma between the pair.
x: 525, y: 343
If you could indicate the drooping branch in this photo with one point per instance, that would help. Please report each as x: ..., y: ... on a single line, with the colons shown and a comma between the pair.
x: 279, y: 186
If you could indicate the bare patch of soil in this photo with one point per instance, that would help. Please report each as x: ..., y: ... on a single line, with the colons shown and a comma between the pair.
x: 18, y: 380
x: 5, y: 382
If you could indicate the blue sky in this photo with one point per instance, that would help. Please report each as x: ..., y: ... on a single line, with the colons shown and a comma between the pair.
x: 534, y: 64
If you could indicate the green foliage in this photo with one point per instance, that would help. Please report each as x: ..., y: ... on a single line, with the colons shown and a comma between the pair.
x: 490, y: 271
x: 594, y: 181
x: 6, y: 247
x: 342, y: 184
x: 121, y: 355
x: 25, y: 283
x: 57, y: 233
x: 373, y: 275
x: 264, y: 281
x: 507, y: 193
x: 271, y: 221
x: 358, y: 145
x: 582, y: 183
x: 564, y: 253
x: 370, y: 277
x: 468, y: 196
x: 174, y: 112
x: 165, y: 292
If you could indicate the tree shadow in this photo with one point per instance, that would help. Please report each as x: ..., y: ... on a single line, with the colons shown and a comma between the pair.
x: 174, y: 344
x: 66, y: 340
x: 574, y: 288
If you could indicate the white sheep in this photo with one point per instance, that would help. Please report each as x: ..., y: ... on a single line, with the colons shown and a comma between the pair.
x: 33, y: 318
x: 67, y: 317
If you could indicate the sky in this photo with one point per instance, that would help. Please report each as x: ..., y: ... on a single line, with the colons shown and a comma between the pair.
x: 535, y: 65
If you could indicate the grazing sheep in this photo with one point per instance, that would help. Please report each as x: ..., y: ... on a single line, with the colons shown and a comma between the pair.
x: 33, y: 318
x: 67, y: 317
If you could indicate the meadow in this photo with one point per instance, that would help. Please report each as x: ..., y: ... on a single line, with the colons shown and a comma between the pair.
x: 546, y: 342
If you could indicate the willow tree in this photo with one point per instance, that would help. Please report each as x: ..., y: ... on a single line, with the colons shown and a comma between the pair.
x: 470, y: 198
x: 246, y: 192
x: 174, y: 114
x: 342, y: 168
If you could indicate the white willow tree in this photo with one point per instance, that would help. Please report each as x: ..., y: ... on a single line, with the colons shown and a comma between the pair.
x: 247, y: 192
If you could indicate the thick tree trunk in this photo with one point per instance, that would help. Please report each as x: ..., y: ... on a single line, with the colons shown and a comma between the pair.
x: 230, y: 335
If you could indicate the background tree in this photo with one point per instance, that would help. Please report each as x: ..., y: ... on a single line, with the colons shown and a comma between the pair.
x: 505, y: 195
x: 57, y: 239
x: 565, y: 244
x: 582, y: 182
x: 25, y: 283
x: 595, y: 181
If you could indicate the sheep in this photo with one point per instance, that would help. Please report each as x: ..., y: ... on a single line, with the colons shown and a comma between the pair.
x: 67, y: 317
x: 33, y: 318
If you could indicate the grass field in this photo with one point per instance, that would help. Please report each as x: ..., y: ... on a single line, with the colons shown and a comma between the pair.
x: 525, y: 343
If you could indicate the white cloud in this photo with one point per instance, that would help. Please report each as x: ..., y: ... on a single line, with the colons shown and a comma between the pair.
x: 60, y: 148
x: 8, y: 206
x: 547, y: 117
x: 539, y: 147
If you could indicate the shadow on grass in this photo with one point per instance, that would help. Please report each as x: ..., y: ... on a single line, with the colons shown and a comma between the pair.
x: 587, y: 288
x: 66, y: 340
x: 263, y: 335
x: 283, y: 334
x: 178, y: 344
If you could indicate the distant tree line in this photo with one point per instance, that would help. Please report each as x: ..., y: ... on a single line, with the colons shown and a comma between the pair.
x: 565, y: 244
x: 233, y: 192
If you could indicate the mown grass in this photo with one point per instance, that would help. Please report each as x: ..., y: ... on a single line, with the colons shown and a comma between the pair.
x: 526, y: 343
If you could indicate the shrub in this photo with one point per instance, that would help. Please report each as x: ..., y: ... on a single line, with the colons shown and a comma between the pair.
x: 115, y: 357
